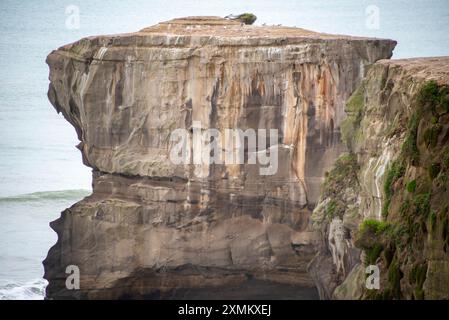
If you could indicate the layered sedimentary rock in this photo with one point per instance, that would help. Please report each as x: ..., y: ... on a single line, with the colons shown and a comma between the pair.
x: 155, y: 229
x: 386, y: 203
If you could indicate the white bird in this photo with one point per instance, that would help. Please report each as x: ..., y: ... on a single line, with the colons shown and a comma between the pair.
x: 231, y: 16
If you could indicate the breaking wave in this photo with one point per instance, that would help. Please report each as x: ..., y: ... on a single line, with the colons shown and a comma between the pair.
x: 32, y: 290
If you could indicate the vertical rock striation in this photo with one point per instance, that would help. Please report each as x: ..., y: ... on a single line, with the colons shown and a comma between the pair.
x: 153, y: 229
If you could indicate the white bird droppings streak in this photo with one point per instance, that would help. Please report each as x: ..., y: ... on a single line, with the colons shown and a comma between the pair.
x: 100, y: 53
x: 381, y: 165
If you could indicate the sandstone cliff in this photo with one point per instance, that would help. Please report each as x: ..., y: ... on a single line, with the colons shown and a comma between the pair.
x: 386, y: 202
x: 158, y: 230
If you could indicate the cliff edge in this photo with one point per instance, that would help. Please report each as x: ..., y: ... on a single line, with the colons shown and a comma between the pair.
x: 386, y: 202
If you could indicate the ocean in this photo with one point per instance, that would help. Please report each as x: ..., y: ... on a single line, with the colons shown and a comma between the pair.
x: 41, y: 172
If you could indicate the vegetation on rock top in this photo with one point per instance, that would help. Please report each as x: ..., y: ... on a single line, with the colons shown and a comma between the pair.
x: 246, y: 18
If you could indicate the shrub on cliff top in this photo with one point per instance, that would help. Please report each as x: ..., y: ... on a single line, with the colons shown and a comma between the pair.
x: 247, y: 18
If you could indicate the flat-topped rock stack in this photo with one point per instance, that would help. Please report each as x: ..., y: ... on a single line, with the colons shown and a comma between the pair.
x: 156, y: 229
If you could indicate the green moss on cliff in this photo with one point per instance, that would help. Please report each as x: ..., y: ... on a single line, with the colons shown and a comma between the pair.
x: 417, y: 277
x: 422, y: 204
x: 446, y: 158
x: 433, y: 220
x: 350, y: 127
x: 375, y: 226
x: 334, y: 208
x: 411, y: 186
x: 394, y: 279
x: 434, y: 96
x: 369, y: 238
x: 429, y: 93
x: 342, y: 176
x: 400, y: 241
x: 444, y: 98
x: 431, y: 135
x: 409, y: 147
x: 344, y: 171
x: 373, y: 253
x: 445, y: 228
x: 395, y: 172
x: 415, y: 188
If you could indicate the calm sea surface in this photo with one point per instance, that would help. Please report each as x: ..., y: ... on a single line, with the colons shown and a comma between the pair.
x: 40, y: 169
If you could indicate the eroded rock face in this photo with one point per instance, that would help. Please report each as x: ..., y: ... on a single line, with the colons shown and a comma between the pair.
x: 154, y: 229
x: 397, y: 131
